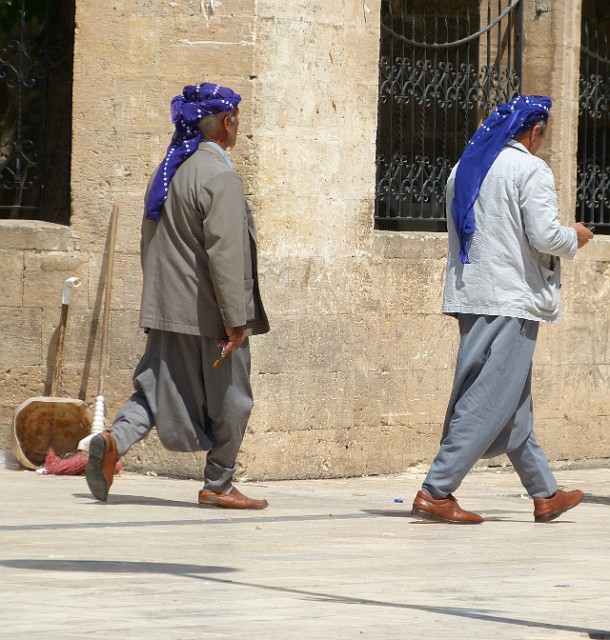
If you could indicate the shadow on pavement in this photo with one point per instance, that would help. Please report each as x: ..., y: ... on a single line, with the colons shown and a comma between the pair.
x: 203, y: 573
x: 591, y: 499
x: 115, y: 566
x: 151, y: 501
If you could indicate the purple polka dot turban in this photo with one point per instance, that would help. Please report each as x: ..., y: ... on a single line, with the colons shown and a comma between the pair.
x: 187, y: 109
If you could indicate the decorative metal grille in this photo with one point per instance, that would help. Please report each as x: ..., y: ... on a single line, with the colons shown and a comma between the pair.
x: 433, y: 96
x: 36, y: 47
x: 593, y: 192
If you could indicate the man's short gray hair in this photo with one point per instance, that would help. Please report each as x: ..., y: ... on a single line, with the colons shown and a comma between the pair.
x: 208, y: 124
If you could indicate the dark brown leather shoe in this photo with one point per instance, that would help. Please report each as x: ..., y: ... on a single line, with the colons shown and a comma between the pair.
x: 443, y: 510
x: 102, y: 463
x: 233, y: 499
x: 547, y: 509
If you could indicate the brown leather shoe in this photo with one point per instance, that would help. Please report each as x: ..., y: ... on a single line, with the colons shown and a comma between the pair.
x: 102, y: 463
x: 443, y: 510
x: 233, y: 499
x: 547, y: 509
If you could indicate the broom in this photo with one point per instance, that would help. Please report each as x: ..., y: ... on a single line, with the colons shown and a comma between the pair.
x: 70, y: 464
x: 50, y: 462
x: 98, y: 414
x: 75, y: 463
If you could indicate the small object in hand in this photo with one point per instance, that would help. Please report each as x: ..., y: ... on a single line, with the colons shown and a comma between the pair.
x: 217, y: 362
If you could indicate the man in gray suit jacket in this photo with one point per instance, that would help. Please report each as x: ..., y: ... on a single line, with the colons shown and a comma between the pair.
x: 200, y: 302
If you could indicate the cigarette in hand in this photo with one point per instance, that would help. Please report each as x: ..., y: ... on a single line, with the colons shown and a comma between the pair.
x: 222, y: 355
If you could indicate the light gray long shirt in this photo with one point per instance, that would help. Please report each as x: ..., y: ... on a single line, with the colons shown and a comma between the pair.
x: 517, y: 244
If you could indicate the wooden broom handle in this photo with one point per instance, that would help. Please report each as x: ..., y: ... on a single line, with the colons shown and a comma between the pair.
x: 66, y: 295
x: 61, y: 333
x: 107, y: 298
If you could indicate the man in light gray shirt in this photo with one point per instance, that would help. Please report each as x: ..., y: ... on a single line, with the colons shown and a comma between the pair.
x: 502, y: 280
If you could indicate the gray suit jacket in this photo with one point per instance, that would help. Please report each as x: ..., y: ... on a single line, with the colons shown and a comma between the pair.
x: 199, y: 261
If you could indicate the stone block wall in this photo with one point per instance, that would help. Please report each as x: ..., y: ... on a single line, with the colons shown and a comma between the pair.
x: 355, y: 375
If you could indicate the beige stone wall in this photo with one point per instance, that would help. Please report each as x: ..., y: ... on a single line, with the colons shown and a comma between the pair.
x: 355, y: 374
x: 34, y: 257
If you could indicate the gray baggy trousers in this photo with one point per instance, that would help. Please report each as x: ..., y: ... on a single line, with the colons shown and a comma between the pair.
x: 490, y: 411
x: 193, y: 405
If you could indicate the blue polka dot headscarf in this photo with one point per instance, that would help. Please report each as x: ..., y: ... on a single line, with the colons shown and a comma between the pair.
x: 187, y: 109
x: 504, y: 122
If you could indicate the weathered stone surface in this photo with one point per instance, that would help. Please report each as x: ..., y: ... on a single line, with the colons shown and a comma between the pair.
x: 11, y: 284
x: 21, y: 343
x: 45, y: 275
x: 34, y: 235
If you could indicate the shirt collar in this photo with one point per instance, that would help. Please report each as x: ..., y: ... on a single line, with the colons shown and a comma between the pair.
x: 223, y: 153
x: 516, y: 145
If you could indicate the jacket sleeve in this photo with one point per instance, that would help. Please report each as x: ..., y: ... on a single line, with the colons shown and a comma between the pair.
x: 224, y: 228
x: 538, y: 203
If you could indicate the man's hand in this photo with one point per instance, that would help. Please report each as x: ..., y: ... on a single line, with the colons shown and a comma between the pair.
x: 235, y: 338
x: 583, y: 234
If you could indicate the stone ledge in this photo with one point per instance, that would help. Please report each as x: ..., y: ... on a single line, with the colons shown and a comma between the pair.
x: 26, y: 235
x: 413, y: 245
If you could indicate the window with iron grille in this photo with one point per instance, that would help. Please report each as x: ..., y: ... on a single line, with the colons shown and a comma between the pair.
x: 444, y: 65
x: 593, y: 187
x: 36, y: 49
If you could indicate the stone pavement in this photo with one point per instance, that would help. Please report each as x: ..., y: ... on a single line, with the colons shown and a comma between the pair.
x: 327, y: 559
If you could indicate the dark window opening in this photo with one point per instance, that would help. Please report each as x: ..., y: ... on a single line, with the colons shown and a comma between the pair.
x: 444, y: 65
x: 593, y: 179
x: 36, y: 51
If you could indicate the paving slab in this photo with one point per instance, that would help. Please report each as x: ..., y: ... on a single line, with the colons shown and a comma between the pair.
x: 328, y: 559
